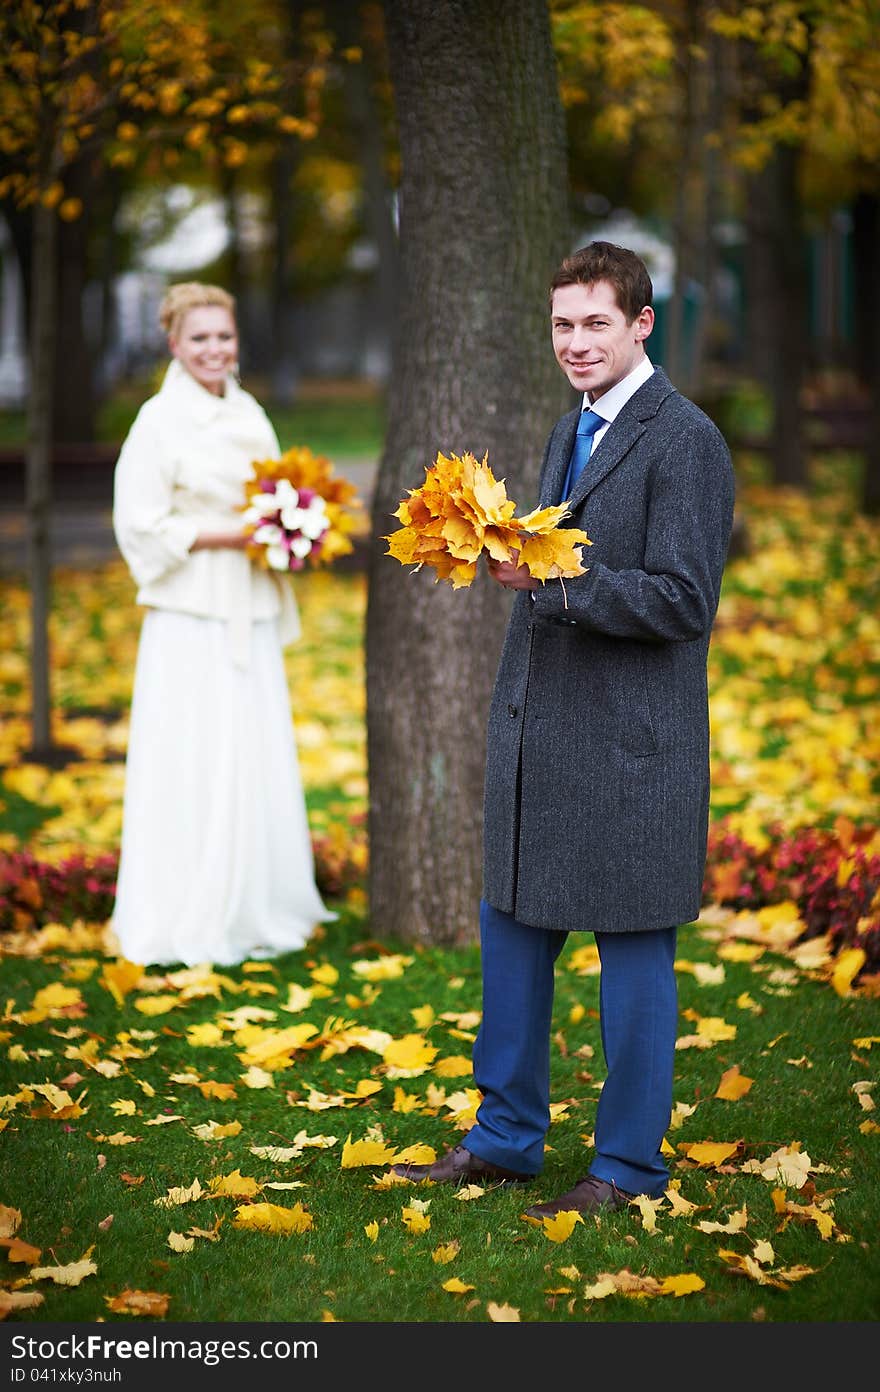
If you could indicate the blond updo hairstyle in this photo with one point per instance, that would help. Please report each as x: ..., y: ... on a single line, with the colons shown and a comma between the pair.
x: 179, y: 299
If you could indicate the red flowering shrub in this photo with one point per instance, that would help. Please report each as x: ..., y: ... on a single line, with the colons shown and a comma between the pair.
x: 833, y: 876
x: 340, y: 858
x: 34, y: 892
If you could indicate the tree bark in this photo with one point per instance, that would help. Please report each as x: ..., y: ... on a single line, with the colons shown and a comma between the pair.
x: 44, y: 226
x: 484, y: 220
x: 866, y: 240
x: 73, y: 395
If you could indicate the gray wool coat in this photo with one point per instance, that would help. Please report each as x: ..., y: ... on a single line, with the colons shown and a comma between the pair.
x: 597, y: 771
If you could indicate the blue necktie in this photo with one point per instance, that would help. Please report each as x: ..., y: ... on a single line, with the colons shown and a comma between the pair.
x: 588, y: 424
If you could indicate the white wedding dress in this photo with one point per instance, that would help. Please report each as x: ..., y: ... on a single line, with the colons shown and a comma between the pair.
x: 216, y: 859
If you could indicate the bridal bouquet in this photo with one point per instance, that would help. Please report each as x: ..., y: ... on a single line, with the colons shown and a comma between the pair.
x: 462, y: 511
x: 297, y: 511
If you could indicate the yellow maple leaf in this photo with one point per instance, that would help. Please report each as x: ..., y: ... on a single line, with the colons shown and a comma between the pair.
x: 387, y: 968
x: 733, y: 1084
x: 359, y: 1153
x: 415, y: 1221
x: 648, y: 1209
x: 216, y: 1131
x: 408, y: 1056
x: 416, y: 1154
x: 453, y: 1066
x: 735, y: 1223
x: 847, y: 965
x: 456, y: 1287
x: 70, y: 1275
x: 120, y: 977
x: 156, y: 1005
x: 556, y: 556
x: 221, y: 1092
x: 180, y: 1195
x: 273, y: 1047
x: 124, y: 1107
x: 714, y: 1028
x: 205, y: 1036
x: 502, y: 1314
x: 446, y: 1252
x: 178, y: 1243
x: 10, y: 1220
x: 273, y: 1218
x: 138, y: 1302
x: 18, y: 1300
x: 600, y: 1289
x: 235, y: 1185
x: 372, y: 1230
x: 560, y: 1226
x: 18, y: 1251
x: 788, y: 1165
x: 685, y: 1284
x: 709, y: 1153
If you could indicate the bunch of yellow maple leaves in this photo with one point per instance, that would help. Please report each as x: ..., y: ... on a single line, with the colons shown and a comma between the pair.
x: 462, y: 511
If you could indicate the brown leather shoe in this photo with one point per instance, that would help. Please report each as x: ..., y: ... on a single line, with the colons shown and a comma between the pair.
x: 460, y: 1166
x: 589, y: 1195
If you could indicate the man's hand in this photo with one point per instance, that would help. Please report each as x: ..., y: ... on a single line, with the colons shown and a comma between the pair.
x: 511, y: 576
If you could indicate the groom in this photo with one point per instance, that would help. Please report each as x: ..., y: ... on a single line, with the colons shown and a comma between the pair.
x: 597, y: 775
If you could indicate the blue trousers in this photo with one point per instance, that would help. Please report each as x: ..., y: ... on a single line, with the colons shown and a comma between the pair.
x: 638, y: 1007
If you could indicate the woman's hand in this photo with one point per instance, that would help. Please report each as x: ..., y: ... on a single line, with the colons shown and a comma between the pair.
x: 510, y: 575
x: 220, y: 541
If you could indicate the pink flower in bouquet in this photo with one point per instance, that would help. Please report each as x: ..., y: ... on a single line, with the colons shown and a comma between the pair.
x: 289, y: 523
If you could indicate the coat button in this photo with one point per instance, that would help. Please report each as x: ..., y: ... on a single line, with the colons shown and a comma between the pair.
x: 511, y: 710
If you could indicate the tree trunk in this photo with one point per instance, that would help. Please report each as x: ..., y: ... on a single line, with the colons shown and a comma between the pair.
x: 484, y: 220
x: 73, y: 395
x: 353, y: 28
x: 866, y: 274
x: 42, y: 362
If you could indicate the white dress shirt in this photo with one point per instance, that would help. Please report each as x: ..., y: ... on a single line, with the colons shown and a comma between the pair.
x: 612, y: 403
x: 182, y: 471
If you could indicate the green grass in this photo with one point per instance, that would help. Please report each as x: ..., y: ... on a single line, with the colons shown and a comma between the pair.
x: 796, y: 1042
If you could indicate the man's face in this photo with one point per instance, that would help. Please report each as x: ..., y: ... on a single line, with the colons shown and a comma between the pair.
x: 594, y: 345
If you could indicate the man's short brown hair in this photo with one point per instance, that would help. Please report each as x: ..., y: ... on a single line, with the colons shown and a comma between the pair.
x: 618, y: 265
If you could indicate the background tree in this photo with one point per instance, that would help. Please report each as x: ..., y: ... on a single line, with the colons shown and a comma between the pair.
x: 483, y: 201
x: 85, y: 83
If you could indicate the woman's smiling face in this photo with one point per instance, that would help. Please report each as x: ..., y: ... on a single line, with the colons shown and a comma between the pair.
x: 206, y: 344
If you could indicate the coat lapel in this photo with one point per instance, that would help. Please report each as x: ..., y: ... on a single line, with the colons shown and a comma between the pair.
x: 557, y: 460
x: 625, y: 430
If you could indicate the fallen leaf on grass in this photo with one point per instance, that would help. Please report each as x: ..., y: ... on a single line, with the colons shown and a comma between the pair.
x: 177, y: 1196
x: 18, y: 1251
x: 70, y: 1275
x: 735, y: 1223
x: 788, y: 1165
x: 138, y: 1302
x: 358, y: 1153
x: 709, y: 1153
x: 415, y: 1220
x: 446, y: 1252
x: 235, y: 1185
x: 733, y: 1085
x: 456, y: 1287
x: 178, y: 1243
x: 216, y: 1130
x: 273, y: 1218
x: 18, y: 1300
x: 685, y: 1284
x: 10, y: 1220
x: 502, y: 1314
